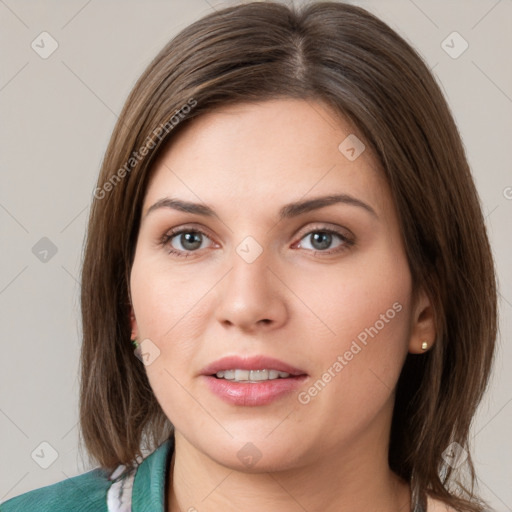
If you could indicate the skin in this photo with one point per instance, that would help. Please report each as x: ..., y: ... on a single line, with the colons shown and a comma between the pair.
x: 293, y: 302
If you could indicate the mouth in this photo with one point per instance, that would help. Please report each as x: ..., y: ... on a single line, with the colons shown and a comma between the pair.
x: 251, y: 376
x: 257, y: 380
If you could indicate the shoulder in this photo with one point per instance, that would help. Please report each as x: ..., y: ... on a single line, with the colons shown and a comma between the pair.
x: 434, y: 505
x: 94, y: 491
x: 82, y: 493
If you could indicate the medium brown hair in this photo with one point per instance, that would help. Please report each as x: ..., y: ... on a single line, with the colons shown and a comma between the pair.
x: 364, y: 71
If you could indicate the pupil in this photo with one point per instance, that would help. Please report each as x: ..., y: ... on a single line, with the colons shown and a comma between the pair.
x: 188, y: 238
x: 324, y: 240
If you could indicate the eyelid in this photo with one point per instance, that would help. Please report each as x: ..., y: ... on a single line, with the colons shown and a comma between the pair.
x: 326, y: 226
x: 318, y: 226
x: 189, y: 227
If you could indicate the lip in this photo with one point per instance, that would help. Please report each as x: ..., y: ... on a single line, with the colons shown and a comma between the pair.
x: 252, y: 393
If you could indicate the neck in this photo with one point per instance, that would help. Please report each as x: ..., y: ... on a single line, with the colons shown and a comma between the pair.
x: 349, y: 480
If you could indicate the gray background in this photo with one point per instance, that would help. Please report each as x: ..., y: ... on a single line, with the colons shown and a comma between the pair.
x: 57, y: 116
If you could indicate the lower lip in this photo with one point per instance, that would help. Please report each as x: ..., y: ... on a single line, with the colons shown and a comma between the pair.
x: 253, y: 393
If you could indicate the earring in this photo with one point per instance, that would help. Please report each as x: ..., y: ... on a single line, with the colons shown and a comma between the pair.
x: 424, y: 345
x: 134, y: 343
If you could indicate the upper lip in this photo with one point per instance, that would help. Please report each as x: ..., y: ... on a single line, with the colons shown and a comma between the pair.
x: 258, y: 362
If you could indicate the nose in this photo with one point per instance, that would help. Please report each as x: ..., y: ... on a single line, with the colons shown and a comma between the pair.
x: 251, y: 296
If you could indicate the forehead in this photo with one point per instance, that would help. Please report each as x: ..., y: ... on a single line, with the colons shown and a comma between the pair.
x: 260, y: 154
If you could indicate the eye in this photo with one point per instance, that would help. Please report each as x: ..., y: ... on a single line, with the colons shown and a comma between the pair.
x: 322, y: 239
x: 182, y: 242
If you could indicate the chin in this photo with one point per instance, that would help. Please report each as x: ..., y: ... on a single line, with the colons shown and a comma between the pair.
x: 258, y: 453
x: 252, y: 459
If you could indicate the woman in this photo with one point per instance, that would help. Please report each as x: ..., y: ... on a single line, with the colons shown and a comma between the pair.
x: 286, y: 228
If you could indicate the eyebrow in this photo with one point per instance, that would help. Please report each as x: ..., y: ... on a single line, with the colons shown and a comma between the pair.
x: 286, y: 212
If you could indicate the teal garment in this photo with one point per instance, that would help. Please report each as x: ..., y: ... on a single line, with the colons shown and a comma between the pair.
x: 88, y: 492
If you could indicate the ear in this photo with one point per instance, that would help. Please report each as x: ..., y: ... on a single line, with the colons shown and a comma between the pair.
x: 133, y: 324
x: 423, y: 326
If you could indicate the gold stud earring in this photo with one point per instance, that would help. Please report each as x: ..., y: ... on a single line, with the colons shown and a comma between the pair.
x: 424, y: 345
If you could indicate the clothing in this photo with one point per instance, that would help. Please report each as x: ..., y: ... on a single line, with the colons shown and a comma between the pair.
x: 141, y: 490
x: 94, y: 491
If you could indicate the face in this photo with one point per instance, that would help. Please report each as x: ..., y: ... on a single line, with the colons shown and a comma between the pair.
x: 246, y: 279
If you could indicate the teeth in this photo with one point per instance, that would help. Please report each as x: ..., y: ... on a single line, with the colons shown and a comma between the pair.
x: 241, y: 374
x: 251, y: 375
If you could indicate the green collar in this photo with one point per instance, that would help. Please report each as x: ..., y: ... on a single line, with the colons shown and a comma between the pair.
x: 149, y: 487
x: 144, y: 488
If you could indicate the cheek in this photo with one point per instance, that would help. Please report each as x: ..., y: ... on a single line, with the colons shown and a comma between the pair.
x: 358, y: 362
x: 365, y: 357
x: 163, y: 303
x: 365, y: 297
x: 166, y: 299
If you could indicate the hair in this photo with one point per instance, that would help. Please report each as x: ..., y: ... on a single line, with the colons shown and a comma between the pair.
x: 364, y: 71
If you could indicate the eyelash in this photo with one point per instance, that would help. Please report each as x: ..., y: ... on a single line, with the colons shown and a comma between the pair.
x: 167, y: 237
